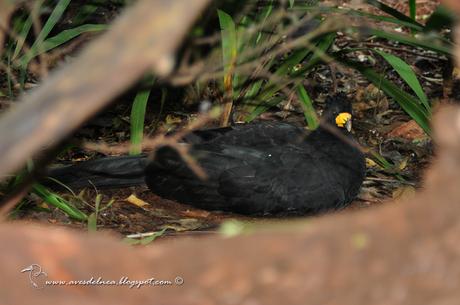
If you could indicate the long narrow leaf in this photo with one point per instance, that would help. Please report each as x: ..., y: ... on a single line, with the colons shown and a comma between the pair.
x: 391, y: 11
x: 405, y: 100
x: 138, y: 118
x: 262, y: 107
x: 429, y: 44
x: 309, y: 111
x: 266, y: 12
x: 253, y: 90
x: 351, y: 12
x: 229, y: 44
x: 287, y: 68
x: 60, y: 39
x: 58, y: 202
x: 271, y: 88
x: 412, y: 9
x: 51, y: 22
x: 407, y: 74
x: 27, y: 25
x: 84, y: 12
x: 323, y: 45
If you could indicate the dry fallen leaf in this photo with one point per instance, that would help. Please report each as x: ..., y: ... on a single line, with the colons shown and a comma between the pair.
x: 181, y: 225
x: 136, y: 201
x: 408, y: 130
x: 404, y: 192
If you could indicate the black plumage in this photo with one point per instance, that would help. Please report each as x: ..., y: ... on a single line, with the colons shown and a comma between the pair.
x: 256, y: 169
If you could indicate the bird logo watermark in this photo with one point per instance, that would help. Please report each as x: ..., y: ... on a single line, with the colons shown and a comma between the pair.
x: 37, y: 276
x: 38, y: 279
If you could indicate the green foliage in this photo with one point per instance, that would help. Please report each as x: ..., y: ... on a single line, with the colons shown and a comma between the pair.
x: 232, y: 44
x: 392, y: 12
x: 436, y: 44
x: 260, y: 95
x: 19, y: 56
x: 138, y: 117
x: 59, y: 202
x: 145, y: 239
x: 309, y: 111
x: 58, y: 40
x: 407, y: 102
x: 93, y: 217
x: 386, y: 165
x: 412, y: 9
x: 229, y: 50
x: 418, y: 108
x: 51, y: 22
x: 408, y: 75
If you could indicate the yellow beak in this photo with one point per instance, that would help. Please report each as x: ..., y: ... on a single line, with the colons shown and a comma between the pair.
x: 343, y: 120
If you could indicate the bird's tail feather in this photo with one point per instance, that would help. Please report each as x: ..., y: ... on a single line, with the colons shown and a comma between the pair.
x: 109, y: 172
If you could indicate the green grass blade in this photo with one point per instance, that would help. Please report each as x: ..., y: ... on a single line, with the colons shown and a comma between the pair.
x: 262, y: 107
x: 407, y: 102
x: 267, y: 10
x: 253, y: 90
x: 92, y: 223
x: 355, y: 13
x: 429, y: 44
x: 92, y: 218
x: 391, y: 11
x: 56, y: 14
x: 229, y: 49
x: 287, y: 68
x: 323, y: 45
x: 271, y: 88
x: 412, y: 9
x: 58, y: 202
x: 84, y: 12
x: 138, y: 118
x: 22, y: 35
x: 58, y: 40
x: 309, y: 111
x: 386, y: 165
x: 246, y: 38
x: 408, y: 75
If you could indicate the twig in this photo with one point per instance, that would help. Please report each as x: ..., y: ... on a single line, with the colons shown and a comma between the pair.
x: 399, y: 49
x: 173, y: 141
x: 391, y: 181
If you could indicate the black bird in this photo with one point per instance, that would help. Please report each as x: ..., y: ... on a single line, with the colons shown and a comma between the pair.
x: 255, y: 169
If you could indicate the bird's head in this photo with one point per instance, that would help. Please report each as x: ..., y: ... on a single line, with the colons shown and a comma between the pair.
x: 338, y: 111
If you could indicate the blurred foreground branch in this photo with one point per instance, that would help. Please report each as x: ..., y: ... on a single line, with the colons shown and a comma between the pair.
x: 144, y: 38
